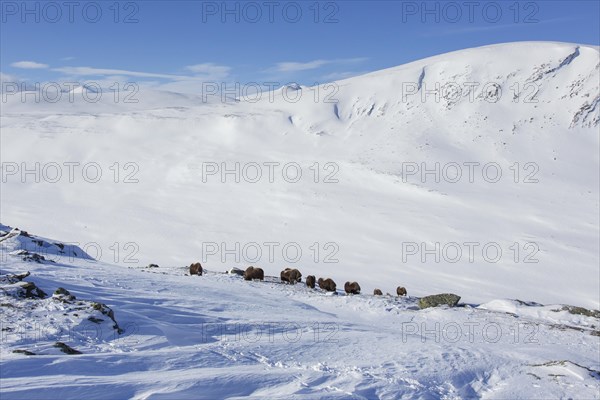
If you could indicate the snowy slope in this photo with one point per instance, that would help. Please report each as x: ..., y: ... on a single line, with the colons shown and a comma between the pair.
x: 535, y: 104
x: 217, y: 336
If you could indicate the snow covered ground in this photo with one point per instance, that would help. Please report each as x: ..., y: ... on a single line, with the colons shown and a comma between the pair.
x: 147, y: 179
x: 218, y: 336
x: 519, y: 121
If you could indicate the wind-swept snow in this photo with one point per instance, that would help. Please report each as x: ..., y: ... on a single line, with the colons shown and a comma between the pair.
x: 218, y: 336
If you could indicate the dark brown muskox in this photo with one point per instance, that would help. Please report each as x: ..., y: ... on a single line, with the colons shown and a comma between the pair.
x: 291, y: 276
x: 196, y: 269
x: 401, y: 291
x: 352, y: 288
x: 310, y: 281
x: 254, y: 273
x: 377, y: 292
x: 327, y: 284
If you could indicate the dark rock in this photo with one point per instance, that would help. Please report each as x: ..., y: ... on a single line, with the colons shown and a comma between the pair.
x: 10, y: 279
x: 65, y: 348
x: 25, y: 352
x: 435, y: 300
x: 581, y: 311
x: 63, y: 295
x: 95, y: 320
x: 106, y: 310
x: 62, y: 291
x: 528, y: 303
x: 18, y: 277
x: 236, y: 271
x: 32, y: 291
x: 27, y: 256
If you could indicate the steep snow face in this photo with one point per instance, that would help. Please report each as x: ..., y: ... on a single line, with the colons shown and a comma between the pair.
x: 166, y: 335
x: 511, y: 208
x: 19, y: 242
x: 554, y: 82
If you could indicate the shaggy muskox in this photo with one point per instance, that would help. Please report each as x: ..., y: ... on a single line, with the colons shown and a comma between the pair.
x: 377, y: 292
x: 254, y: 273
x: 327, y: 284
x: 291, y: 276
x: 310, y: 281
x: 352, y: 288
x: 401, y: 291
x: 196, y: 269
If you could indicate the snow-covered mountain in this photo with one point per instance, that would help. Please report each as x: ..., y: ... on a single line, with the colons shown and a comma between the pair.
x: 519, y: 121
x: 73, y: 328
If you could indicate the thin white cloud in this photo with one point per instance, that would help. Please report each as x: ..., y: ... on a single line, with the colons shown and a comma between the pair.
x: 298, y: 66
x: 89, y: 71
x: 289, y: 66
x: 29, y: 65
x: 201, y: 72
x: 194, y: 87
x: 209, y: 69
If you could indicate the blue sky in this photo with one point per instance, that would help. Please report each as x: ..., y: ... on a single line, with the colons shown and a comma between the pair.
x: 176, y: 44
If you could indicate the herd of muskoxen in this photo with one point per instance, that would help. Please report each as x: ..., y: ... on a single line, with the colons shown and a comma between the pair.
x: 293, y: 276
